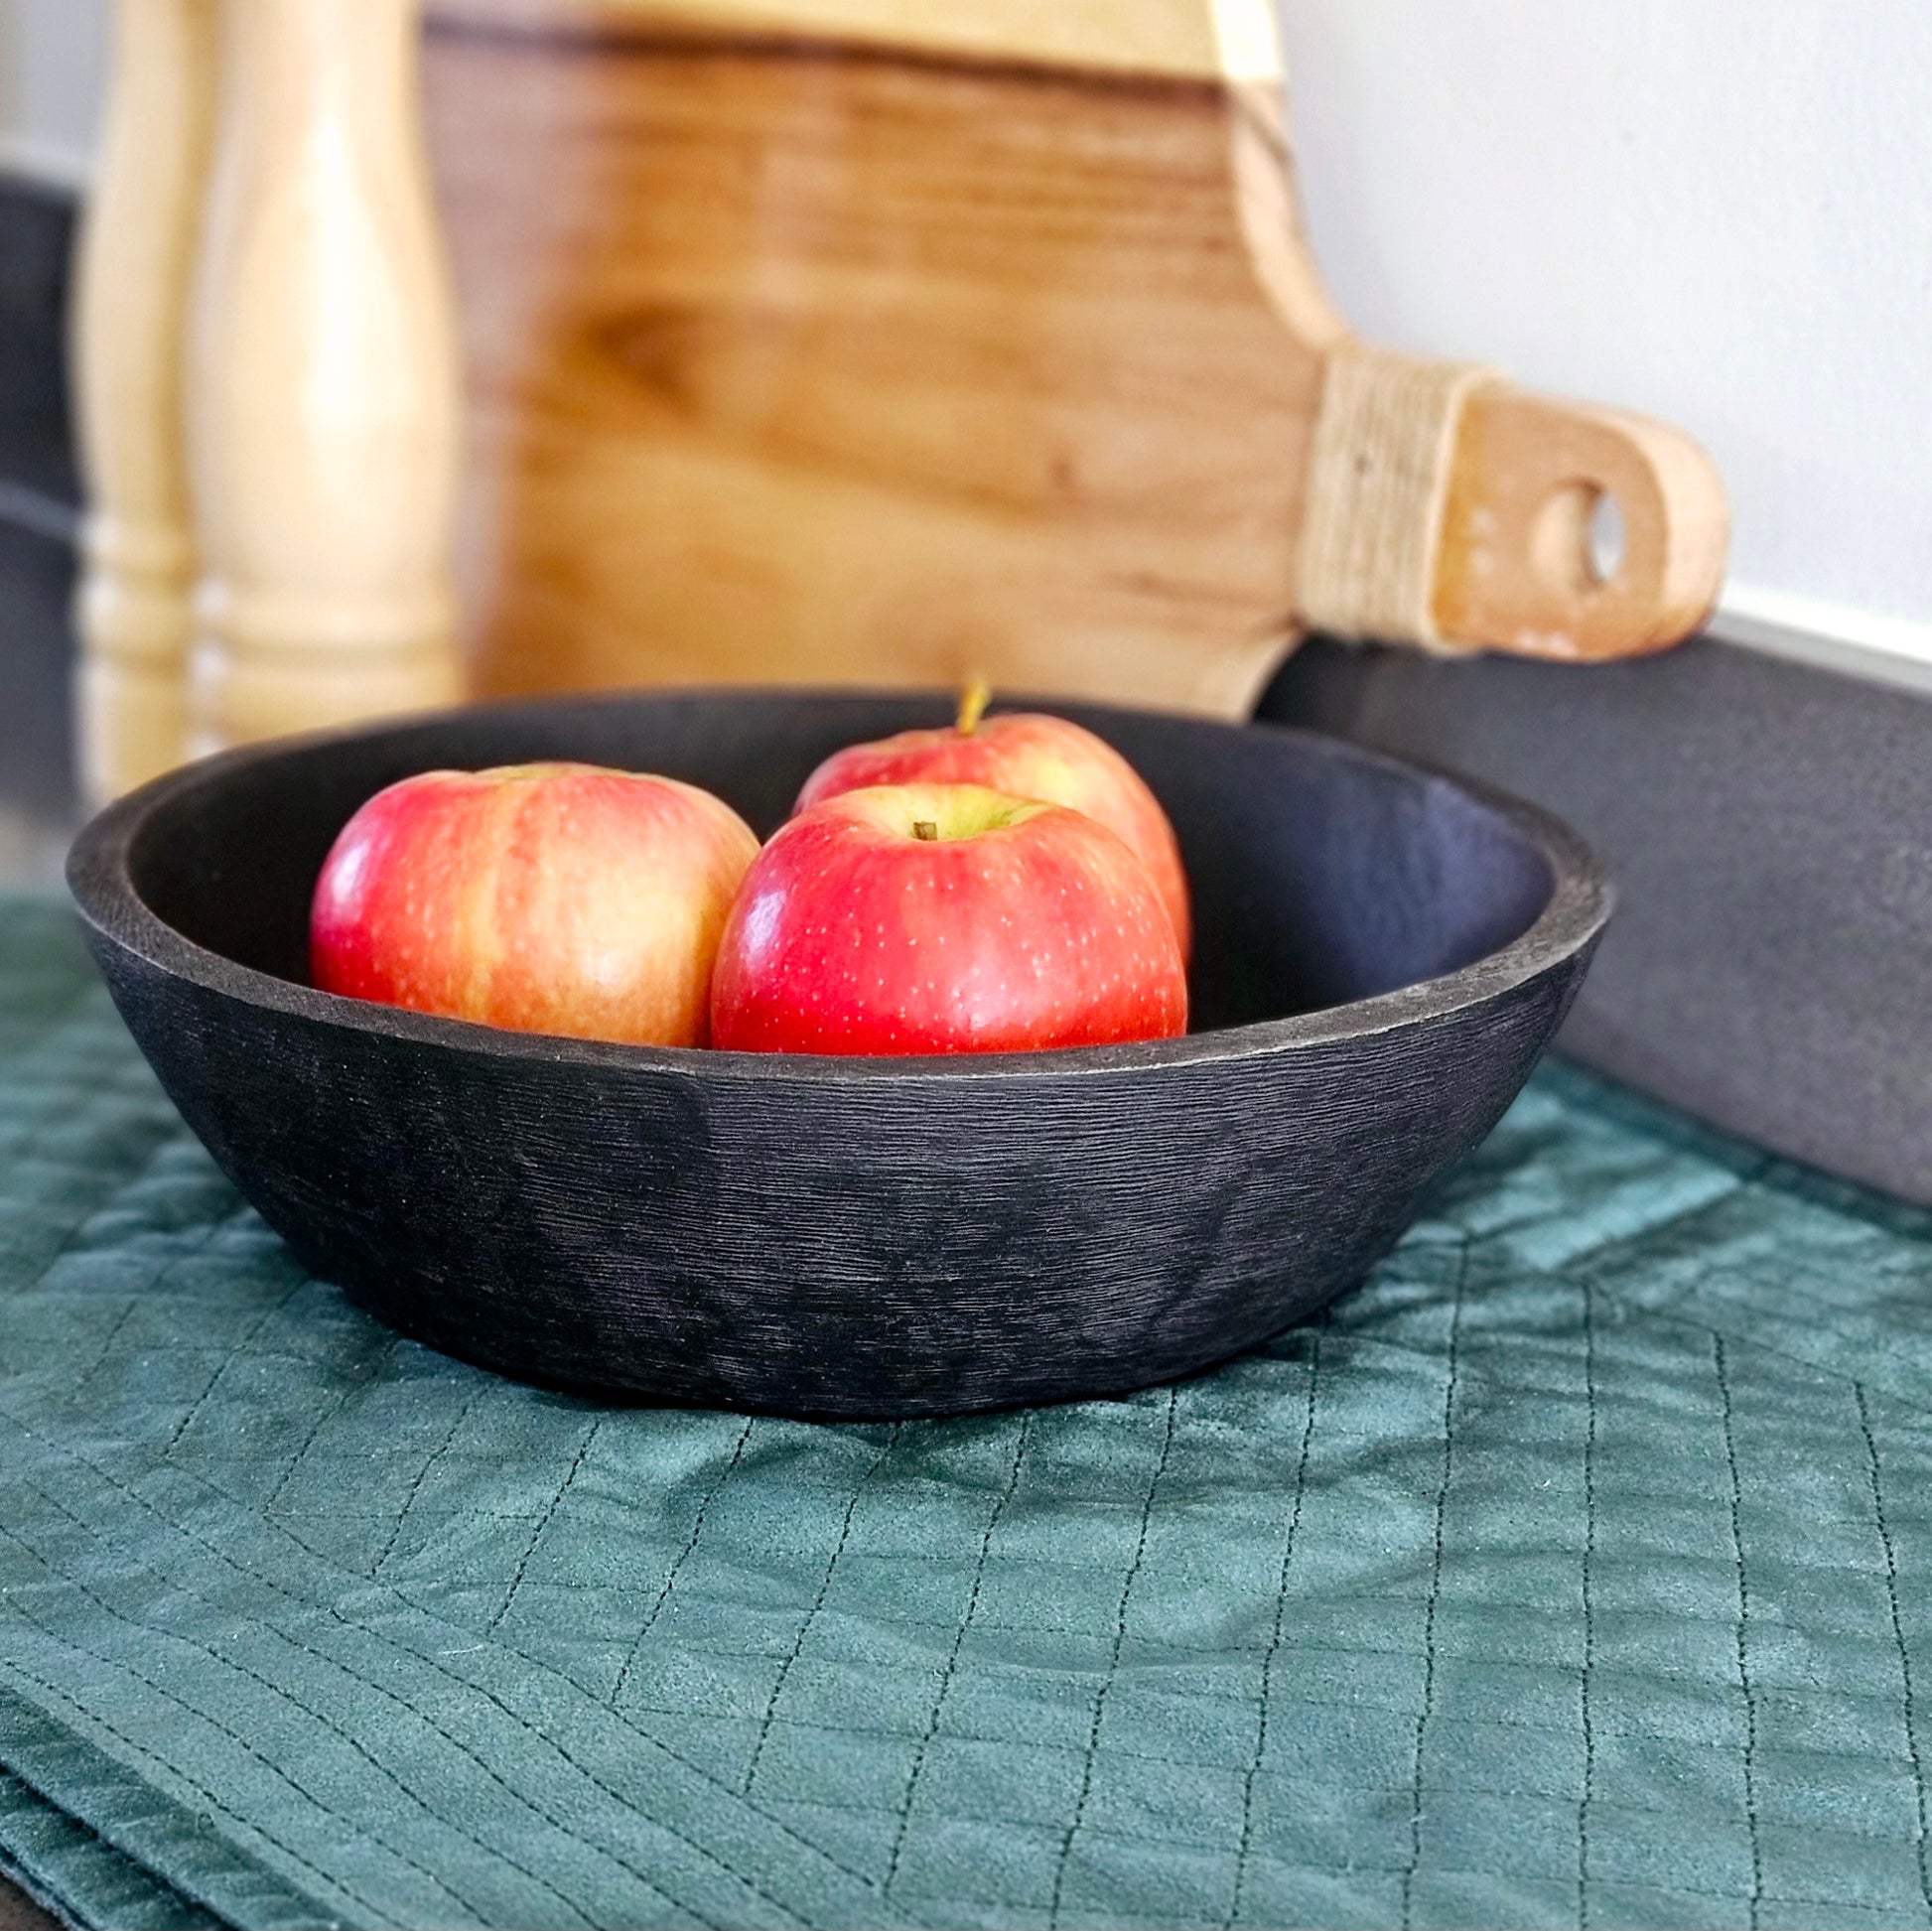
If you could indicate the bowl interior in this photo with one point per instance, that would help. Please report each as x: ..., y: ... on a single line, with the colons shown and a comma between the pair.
x: 1321, y: 874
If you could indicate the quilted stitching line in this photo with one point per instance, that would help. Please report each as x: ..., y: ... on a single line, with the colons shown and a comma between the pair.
x: 422, y: 1476
x: 1564, y: 1279
x: 1274, y: 1640
x: 1743, y: 1628
x: 1758, y: 1340
x: 1434, y: 1583
x: 1590, y: 1605
x: 1128, y: 1753
x: 1678, y: 1317
x: 1898, y: 1637
x: 200, y: 1790
x: 228, y: 1361
x: 1113, y: 1663
x: 1368, y: 1868
x: 1751, y: 1171
x: 16, y: 1132
x: 51, y: 1888
x: 106, y: 1351
x: 1687, y: 1678
x: 1296, y: 1694
x: 294, y: 1702
x: 549, y: 1515
x: 368, y: 1375
x: 818, y: 1603
x: 1759, y: 1179
x: 629, y: 1663
x: 937, y: 1710
x: 334, y: 1616
x: 1503, y: 1792
x: 167, y: 1136
x: 644, y: 1736
x: 1653, y: 1120
x: 1218, y: 1847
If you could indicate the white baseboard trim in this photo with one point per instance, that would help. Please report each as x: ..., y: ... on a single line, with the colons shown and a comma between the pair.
x: 1828, y: 637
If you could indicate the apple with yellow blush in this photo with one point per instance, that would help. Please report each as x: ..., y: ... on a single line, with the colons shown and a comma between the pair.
x: 1025, y: 754
x: 552, y: 897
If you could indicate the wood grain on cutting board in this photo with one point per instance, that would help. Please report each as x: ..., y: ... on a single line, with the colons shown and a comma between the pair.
x: 805, y: 341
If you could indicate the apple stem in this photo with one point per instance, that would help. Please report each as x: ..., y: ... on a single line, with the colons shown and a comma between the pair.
x: 925, y: 830
x: 973, y: 700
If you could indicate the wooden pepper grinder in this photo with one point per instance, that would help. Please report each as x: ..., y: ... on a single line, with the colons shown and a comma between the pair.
x: 323, y: 403
x: 137, y: 245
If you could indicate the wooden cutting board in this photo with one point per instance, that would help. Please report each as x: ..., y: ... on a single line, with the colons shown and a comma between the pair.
x: 866, y: 341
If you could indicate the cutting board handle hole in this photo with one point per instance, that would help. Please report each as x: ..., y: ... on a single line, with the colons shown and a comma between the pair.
x: 1578, y: 541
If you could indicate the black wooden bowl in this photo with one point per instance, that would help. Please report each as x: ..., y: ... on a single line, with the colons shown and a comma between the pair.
x: 1382, y: 953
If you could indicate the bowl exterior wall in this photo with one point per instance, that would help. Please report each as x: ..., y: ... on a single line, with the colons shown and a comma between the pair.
x: 929, y: 1245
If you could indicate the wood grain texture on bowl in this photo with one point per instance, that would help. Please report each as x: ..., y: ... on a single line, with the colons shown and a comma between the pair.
x: 1381, y: 954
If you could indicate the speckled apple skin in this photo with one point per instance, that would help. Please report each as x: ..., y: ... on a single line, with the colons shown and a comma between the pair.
x: 559, y: 898
x: 852, y: 936
x: 1027, y: 755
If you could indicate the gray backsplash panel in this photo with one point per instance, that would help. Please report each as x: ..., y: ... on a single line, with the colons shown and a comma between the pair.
x: 37, y: 523
x: 1770, y: 829
x: 36, y: 246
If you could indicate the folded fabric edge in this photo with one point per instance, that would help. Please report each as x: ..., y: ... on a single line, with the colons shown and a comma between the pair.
x: 79, y: 1878
x: 102, y: 1848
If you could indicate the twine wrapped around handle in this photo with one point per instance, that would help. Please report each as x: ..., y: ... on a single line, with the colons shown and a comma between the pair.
x: 1378, y: 482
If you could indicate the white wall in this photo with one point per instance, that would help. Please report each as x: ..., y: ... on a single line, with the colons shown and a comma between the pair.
x: 1716, y: 211
x: 52, y: 56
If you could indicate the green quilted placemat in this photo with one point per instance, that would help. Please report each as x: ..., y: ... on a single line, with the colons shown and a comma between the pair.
x: 1575, y: 1571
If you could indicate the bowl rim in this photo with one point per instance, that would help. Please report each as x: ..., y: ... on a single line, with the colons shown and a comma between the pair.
x: 98, y: 876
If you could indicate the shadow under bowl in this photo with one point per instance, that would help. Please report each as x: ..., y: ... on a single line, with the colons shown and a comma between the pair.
x: 1382, y: 953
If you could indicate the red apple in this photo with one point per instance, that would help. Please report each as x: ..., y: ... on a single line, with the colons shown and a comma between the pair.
x: 945, y: 919
x: 1026, y: 756
x: 543, y: 897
